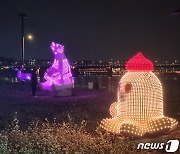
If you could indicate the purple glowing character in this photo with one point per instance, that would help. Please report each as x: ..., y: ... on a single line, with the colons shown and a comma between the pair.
x: 59, y: 74
x: 23, y: 76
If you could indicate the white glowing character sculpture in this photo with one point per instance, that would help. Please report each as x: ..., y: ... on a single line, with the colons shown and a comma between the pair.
x: 138, y: 111
x: 59, y: 75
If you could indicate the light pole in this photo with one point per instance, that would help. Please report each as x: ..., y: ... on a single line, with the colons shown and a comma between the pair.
x: 23, y: 16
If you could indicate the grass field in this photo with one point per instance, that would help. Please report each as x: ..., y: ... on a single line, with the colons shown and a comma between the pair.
x: 47, y: 124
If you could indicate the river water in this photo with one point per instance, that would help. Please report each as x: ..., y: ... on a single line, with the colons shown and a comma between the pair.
x: 170, y: 83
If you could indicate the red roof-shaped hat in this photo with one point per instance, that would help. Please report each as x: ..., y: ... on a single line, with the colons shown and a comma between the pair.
x: 139, y: 63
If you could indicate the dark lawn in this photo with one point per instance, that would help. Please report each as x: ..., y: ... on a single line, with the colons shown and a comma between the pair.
x: 90, y: 105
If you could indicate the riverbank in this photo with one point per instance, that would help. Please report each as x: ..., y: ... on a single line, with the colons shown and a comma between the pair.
x: 90, y: 105
x: 19, y: 110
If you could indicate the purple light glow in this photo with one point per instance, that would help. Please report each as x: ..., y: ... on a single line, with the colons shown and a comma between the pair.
x: 23, y: 76
x: 59, y: 74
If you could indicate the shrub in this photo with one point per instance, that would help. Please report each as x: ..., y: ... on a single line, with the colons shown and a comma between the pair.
x: 57, y: 138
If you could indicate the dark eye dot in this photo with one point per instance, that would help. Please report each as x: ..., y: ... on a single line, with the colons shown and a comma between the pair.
x: 122, y: 96
x: 128, y: 87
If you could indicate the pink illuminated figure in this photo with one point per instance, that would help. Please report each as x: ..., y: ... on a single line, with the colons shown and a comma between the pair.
x: 23, y: 76
x: 59, y: 74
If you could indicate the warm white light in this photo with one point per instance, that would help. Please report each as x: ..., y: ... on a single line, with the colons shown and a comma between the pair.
x: 139, y: 107
x: 29, y: 36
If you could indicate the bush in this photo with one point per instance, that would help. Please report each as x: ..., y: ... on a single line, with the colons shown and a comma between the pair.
x: 58, y: 138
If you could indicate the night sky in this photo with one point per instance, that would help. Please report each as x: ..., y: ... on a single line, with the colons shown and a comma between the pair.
x: 92, y: 29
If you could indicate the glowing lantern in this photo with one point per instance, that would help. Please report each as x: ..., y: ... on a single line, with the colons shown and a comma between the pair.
x: 58, y: 77
x: 139, y: 109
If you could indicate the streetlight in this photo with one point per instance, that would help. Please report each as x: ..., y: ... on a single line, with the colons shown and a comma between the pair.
x: 23, y: 16
x: 29, y: 37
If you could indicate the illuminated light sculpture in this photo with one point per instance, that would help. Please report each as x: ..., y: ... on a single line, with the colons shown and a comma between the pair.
x: 139, y: 109
x: 58, y: 77
x: 23, y: 76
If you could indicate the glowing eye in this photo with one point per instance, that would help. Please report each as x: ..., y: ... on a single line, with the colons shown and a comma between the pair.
x: 128, y: 87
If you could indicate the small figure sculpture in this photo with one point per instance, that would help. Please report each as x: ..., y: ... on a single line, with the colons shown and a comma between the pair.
x: 23, y: 76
